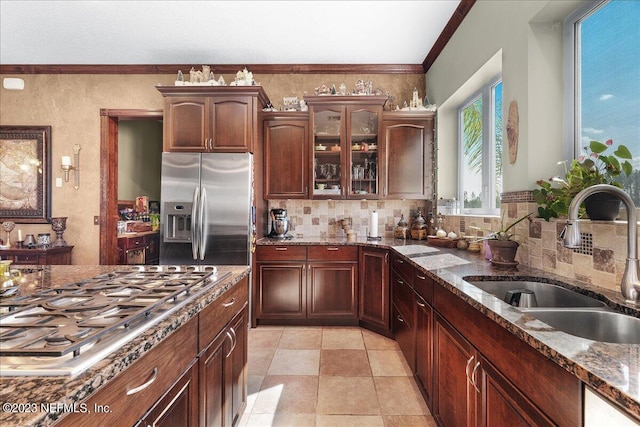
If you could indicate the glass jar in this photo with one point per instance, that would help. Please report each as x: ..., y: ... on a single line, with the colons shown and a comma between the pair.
x: 402, y: 229
x: 419, y: 227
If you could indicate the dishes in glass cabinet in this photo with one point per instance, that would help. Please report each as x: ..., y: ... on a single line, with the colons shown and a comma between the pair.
x: 321, y: 147
x: 356, y: 147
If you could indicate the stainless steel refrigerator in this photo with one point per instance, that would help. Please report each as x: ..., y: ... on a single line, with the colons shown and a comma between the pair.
x: 206, y: 208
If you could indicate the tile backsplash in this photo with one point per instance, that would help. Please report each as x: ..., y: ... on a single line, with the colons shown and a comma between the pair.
x: 322, y: 217
x: 600, y: 261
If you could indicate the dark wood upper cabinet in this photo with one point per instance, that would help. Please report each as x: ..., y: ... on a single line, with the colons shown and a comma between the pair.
x: 211, y: 118
x: 408, y: 150
x: 286, y: 155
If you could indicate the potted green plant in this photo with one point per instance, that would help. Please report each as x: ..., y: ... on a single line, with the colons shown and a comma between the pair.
x: 502, y: 243
x: 595, y: 167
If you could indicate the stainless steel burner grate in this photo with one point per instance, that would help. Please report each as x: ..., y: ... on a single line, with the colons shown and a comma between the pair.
x: 66, y: 320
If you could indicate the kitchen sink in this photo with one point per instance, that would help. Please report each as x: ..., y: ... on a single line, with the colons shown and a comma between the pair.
x: 546, y: 294
x: 596, y: 325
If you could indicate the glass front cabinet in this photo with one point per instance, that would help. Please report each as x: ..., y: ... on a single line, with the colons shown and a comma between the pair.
x: 345, y: 146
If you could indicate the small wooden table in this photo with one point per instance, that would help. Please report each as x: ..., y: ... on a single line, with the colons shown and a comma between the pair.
x: 59, y: 255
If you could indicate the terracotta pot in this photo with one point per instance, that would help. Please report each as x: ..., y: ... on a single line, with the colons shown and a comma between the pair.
x: 503, y: 251
x: 602, y: 207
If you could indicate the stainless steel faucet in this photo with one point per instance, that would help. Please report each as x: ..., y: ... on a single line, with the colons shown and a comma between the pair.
x: 630, y: 285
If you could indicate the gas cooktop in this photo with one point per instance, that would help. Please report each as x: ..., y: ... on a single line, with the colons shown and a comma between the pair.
x: 66, y: 330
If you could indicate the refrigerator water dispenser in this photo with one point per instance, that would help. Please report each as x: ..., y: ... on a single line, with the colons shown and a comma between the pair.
x: 177, y: 221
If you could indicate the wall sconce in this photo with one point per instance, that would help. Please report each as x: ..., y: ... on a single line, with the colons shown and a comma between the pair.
x: 68, y: 167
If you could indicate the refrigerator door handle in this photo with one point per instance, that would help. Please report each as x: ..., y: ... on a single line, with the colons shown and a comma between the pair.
x: 204, y: 221
x: 195, y: 221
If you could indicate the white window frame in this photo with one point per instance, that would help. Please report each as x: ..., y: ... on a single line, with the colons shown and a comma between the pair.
x: 488, y: 148
x: 572, y: 122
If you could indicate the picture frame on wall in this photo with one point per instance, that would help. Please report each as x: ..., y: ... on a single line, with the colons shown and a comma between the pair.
x: 25, y: 174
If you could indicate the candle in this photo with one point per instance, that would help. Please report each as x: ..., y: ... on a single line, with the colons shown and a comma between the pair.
x: 66, y: 161
x: 19, y: 235
x: 373, y: 222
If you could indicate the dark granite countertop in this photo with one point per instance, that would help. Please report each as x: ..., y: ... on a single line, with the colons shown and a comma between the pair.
x: 611, y: 369
x: 68, y: 390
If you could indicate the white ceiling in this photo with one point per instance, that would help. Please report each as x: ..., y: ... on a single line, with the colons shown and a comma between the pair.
x: 220, y: 32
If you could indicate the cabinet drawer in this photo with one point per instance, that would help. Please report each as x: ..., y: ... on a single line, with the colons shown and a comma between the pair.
x: 281, y: 253
x: 27, y: 259
x: 403, y: 267
x: 333, y: 253
x: 217, y: 314
x: 133, y: 242
x: 159, y: 369
x: 403, y: 298
x: 423, y: 285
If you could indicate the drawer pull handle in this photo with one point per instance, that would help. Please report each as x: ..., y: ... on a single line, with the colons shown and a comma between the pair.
x: 400, y: 282
x: 141, y: 387
x: 421, y: 277
x: 281, y: 249
x: 399, y: 261
x: 466, y: 369
x: 333, y: 249
x: 400, y: 318
x: 234, y: 341
x: 230, y: 303
x: 473, y: 377
x: 421, y: 304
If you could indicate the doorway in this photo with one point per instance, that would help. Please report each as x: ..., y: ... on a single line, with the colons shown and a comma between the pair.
x: 109, y: 126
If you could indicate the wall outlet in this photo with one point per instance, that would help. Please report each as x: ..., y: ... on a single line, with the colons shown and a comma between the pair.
x: 58, y: 182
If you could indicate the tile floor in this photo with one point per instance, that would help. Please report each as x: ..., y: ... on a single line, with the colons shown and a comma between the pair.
x: 329, y: 376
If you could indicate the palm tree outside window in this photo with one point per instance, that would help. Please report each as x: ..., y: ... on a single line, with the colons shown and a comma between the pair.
x: 480, y: 146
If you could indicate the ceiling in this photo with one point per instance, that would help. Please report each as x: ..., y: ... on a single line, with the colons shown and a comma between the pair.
x: 220, y: 32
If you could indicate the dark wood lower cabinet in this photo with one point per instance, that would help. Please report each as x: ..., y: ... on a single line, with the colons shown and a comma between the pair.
x: 317, y: 284
x: 454, y: 402
x: 374, y: 307
x: 281, y: 290
x: 332, y: 290
x: 424, y: 348
x: 223, y: 393
x: 179, y: 407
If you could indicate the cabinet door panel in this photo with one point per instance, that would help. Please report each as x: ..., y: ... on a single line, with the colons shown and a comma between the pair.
x: 408, y: 161
x: 286, y: 159
x: 424, y: 347
x: 232, y: 124
x: 212, y: 382
x: 179, y: 407
x: 237, y: 357
x: 374, y: 288
x: 281, y: 291
x: 405, y: 336
x: 186, y: 124
x: 454, y: 396
x: 502, y: 404
x: 332, y: 290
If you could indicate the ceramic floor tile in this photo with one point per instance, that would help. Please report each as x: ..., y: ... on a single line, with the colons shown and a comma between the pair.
x: 295, y: 362
x: 287, y: 394
x: 259, y: 360
x: 342, y: 338
x: 280, y: 420
x: 408, y: 421
x: 264, y: 338
x: 388, y: 363
x: 301, y: 338
x: 254, y: 382
x: 373, y: 341
x: 346, y: 363
x: 349, y: 420
x: 399, y: 396
x: 347, y: 396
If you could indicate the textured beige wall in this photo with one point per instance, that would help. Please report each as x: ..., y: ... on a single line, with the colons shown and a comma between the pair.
x: 71, y: 105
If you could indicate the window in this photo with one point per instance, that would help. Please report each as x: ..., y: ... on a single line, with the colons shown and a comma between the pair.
x: 480, y: 143
x: 603, y: 44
